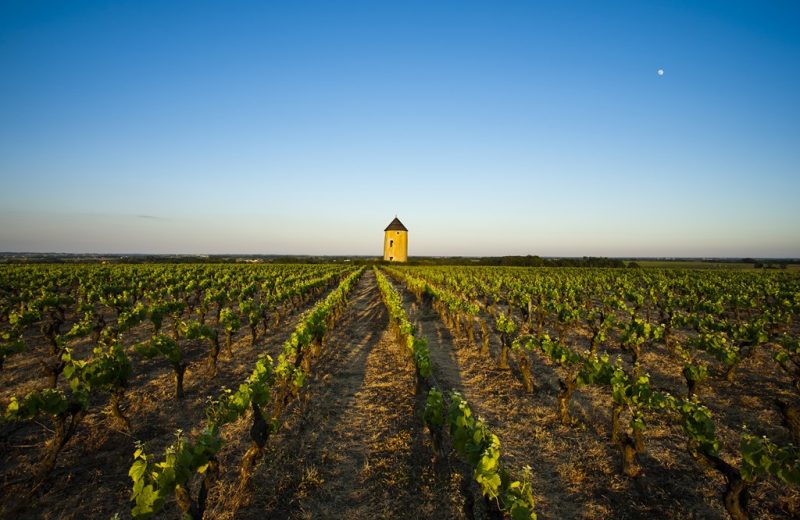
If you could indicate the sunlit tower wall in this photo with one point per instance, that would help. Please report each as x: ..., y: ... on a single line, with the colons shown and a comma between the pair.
x: 395, y: 242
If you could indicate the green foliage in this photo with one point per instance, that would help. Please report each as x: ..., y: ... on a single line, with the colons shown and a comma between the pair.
x: 422, y: 358
x: 10, y: 344
x: 716, y: 344
x: 556, y: 350
x: 21, y: 320
x: 311, y: 328
x: 230, y: 405
x: 505, y: 325
x: 695, y: 372
x: 476, y: 443
x: 82, y: 328
x: 107, y: 370
x: 433, y: 414
x: 760, y: 457
x: 731, y: 313
x: 698, y: 426
x: 161, y: 345
x: 596, y: 370
x: 639, y: 331
x: 487, y: 467
x: 788, y: 357
x: 195, y: 330
x: 132, y: 317
x: 418, y: 347
x: 161, y: 309
x: 751, y: 333
x: 472, y: 439
x: 517, y: 496
x: 601, y: 321
x: 251, y: 310
x: 523, y: 342
x: 229, y: 320
x: 154, y: 482
x: 49, y: 401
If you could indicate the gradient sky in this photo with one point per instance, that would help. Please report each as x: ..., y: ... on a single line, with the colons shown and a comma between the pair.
x: 489, y: 127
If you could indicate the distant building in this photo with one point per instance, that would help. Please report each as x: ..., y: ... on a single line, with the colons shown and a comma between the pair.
x: 395, y: 242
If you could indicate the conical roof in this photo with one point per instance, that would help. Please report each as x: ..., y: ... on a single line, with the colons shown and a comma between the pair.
x: 395, y: 225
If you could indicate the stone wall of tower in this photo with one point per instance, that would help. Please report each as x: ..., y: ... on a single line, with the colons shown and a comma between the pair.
x: 395, y: 246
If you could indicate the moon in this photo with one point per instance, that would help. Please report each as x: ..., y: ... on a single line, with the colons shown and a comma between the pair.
x: 660, y: 72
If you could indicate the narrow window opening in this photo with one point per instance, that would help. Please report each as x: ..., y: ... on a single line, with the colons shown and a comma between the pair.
x: 391, y: 243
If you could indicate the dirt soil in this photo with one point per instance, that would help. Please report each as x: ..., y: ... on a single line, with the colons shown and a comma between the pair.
x: 91, y: 479
x: 352, y: 445
x: 354, y: 448
x: 576, y: 468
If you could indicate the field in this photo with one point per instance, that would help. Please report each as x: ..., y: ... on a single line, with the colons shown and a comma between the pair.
x: 694, y: 264
x: 330, y: 391
x: 725, y: 266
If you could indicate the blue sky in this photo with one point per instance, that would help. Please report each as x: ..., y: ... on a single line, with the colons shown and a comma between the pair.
x: 489, y: 128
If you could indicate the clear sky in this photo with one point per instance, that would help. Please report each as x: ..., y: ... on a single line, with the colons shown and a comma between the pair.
x: 489, y: 128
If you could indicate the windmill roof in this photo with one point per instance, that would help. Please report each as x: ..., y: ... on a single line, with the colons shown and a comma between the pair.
x: 395, y: 225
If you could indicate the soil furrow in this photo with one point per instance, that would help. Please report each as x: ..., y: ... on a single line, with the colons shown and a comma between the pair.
x: 355, y: 448
x: 575, y: 468
x: 99, y: 456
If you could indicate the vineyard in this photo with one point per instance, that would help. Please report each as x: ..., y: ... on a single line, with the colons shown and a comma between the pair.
x: 331, y: 391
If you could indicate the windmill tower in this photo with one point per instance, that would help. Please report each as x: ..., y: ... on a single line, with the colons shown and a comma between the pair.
x: 395, y: 242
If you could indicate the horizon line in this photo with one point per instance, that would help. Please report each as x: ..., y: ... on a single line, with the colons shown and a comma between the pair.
x: 301, y: 255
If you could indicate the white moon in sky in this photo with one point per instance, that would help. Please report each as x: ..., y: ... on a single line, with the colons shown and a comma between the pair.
x: 660, y: 72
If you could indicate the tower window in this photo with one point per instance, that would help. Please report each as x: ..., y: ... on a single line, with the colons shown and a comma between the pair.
x: 391, y: 243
